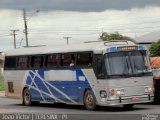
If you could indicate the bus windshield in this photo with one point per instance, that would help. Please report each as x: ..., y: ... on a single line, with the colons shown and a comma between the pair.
x: 126, y: 64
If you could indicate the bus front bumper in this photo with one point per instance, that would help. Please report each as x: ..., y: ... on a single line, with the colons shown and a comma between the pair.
x: 126, y: 100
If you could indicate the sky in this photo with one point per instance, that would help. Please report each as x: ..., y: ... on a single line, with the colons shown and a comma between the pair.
x: 82, y: 20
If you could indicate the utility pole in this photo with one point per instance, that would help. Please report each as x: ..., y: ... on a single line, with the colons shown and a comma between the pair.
x: 67, y: 39
x: 25, y: 26
x: 14, y: 35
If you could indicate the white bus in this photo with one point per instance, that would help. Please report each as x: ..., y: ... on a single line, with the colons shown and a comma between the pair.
x: 91, y: 74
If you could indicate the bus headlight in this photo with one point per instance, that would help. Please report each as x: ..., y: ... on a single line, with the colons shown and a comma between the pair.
x: 120, y: 92
x: 148, y: 89
x: 103, y: 94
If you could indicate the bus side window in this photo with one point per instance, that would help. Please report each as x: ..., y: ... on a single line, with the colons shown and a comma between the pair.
x: 90, y: 59
x: 84, y: 59
x: 36, y: 61
x: 66, y: 59
x: 98, y: 66
x: 22, y: 62
x: 52, y: 60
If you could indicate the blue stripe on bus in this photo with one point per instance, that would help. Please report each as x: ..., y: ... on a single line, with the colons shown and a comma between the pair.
x: 141, y: 47
x: 112, y: 49
x: 67, y: 91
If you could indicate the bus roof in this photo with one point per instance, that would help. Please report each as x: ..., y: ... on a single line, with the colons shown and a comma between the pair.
x: 95, y: 46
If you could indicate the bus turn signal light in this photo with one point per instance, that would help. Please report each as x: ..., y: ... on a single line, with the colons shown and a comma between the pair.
x: 112, y: 92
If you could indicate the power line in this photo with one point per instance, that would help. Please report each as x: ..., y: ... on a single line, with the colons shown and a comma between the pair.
x: 5, y: 35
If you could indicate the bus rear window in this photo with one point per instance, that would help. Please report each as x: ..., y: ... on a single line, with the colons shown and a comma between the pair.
x: 10, y: 62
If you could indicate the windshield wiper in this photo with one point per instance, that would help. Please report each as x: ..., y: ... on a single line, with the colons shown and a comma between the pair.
x: 126, y: 68
x: 119, y: 76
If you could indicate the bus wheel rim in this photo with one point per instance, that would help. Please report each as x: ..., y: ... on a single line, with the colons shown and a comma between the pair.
x: 90, y: 100
x: 27, y: 97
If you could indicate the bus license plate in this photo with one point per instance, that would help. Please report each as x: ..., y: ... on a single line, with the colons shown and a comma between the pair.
x: 135, y: 98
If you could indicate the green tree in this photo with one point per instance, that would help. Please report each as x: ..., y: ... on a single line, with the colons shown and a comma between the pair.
x: 115, y: 36
x: 155, y: 49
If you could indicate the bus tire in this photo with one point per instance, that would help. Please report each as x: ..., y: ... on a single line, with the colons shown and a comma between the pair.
x: 27, y: 99
x: 128, y: 106
x: 89, y: 100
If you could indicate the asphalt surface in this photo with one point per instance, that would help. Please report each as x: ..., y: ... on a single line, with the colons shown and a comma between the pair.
x: 77, y: 112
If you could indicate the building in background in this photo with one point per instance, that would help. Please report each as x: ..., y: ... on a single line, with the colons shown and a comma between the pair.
x: 148, y: 39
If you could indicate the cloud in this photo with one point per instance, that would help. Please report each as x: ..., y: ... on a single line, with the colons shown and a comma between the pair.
x: 50, y: 27
x: 77, y: 5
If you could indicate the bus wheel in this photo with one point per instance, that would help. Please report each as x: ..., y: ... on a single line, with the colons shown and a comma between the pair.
x: 27, y: 97
x: 89, y: 101
x: 128, y: 106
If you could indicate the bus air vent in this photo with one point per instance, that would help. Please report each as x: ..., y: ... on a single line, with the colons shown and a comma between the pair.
x: 10, y: 87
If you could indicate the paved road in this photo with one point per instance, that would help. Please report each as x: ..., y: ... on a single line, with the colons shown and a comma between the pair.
x: 15, y: 106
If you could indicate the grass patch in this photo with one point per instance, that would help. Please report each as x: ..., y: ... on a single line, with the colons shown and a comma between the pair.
x: 1, y: 83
